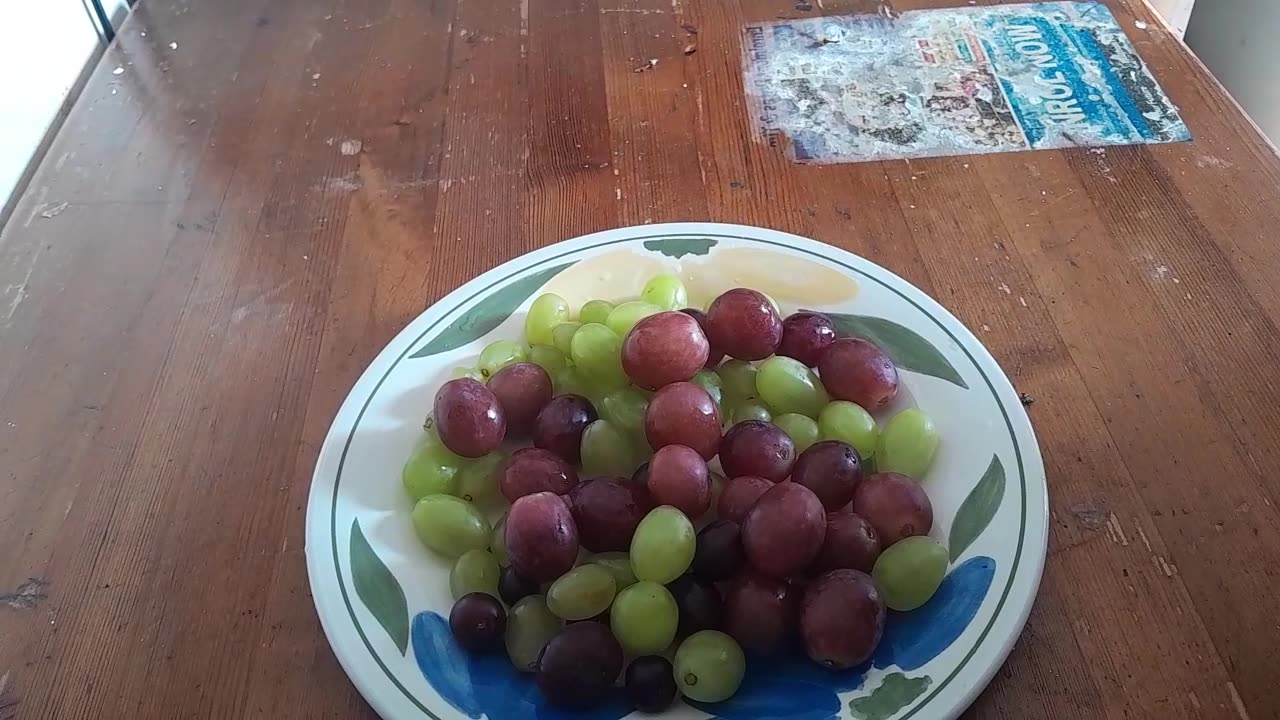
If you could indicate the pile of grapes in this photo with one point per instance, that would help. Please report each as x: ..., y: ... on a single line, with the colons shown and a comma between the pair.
x: 599, y: 560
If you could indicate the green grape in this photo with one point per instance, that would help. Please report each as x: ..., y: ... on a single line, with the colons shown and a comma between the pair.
x: 474, y: 571
x: 625, y: 408
x: 499, y: 354
x: 548, y: 358
x: 789, y: 386
x: 570, y: 380
x: 624, y: 317
x: 663, y: 544
x: 607, y: 450
x: 909, y: 572
x: 463, y: 371
x: 666, y: 291
x: 432, y: 469
x: 562, y: 336
x: 644, y: 618
x: 595, y: 311
x: 546, y: 312
x: 498, y: 541
x: 450, y: 525
x: 738, y: 378
x: 597, y: 351
x: 848, y: 422
x: 530, y: 626
x: 907, y: 444
x: 708, y: 380
x: 478, y: 480
x: 709, y: 666
x: 749, y: 409
x: 717, y: 487
x: 430, y: 433
x: 803, y: 430
x: 581, y: 593
x: 619, y: 565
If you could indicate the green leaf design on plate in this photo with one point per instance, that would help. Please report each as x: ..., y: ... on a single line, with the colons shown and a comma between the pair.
x: 679, y: 247
x: 488, y: 314
x: 896, y: 692
x: 378, y: 589
x: 908, y: 349
x: 976, y: 511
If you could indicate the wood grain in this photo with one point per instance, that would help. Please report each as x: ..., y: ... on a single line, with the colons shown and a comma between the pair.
x: 251, y: 216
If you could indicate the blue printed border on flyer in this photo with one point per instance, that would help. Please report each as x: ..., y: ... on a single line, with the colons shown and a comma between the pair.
x: 960, y: 81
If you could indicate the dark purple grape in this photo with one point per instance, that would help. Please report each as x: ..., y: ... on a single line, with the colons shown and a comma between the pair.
x: 760, y: 612
x: 714, y: 356
x: 841, y: 619
x: 850, y: 543
x: 513, y: 586
x: 541, y: 537
x: 650, y: 683
x: 478, y: 621
x: 832, y: 470
x: 683, y: 414
x: 895, y: 505
x: 699, y: 604
x: 534, y: 470
x: 664, y: 348
x: 783, y: 533
x: 742, y: 324
x: 579, y: 665
x: 856, y: 370
x: 739, y: 495
x: 560, y: 424
x: 755, y: 447
x: 678, y: 476
x: 469, y: 418
x: 523, y: 389
x: 805, y: 335
x: 607, y: 512
x: 719, y: 554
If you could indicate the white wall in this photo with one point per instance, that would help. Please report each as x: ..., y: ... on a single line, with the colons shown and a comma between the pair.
x: 43, y: 47
x: 1238, y: 40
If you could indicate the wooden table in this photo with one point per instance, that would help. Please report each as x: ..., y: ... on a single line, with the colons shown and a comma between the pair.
x: 224, y: 234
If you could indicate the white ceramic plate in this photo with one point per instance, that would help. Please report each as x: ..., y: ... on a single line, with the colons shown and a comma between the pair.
x: 382, y: 597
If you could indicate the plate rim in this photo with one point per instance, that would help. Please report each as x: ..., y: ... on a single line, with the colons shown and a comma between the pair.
x: 324, y: 524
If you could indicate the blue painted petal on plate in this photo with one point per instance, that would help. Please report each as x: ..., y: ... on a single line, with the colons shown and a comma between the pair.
x: 914, y: 638
x: 785, y: 688
x: 486, y: 684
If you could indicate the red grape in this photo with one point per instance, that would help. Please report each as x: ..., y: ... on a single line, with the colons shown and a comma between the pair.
x: 714, y: 356
x: 606, y: 513
x: 683, y: 414
x: 842, y: 619
x: 523, y: 389
x: 832, y: 470
x: 664, y: 348
x: 469, y: 418
x: 478, y: 621
x: 678, y: 476
x: 783, y: 532
x: 739, y: 495
x: 560, y: 424
x: 743, y: 324
x: 532, y: 470
x: 805, y: 335
x: 698, y: 603
x: 579, y: 665
x: 719, y: 554
x: 756, y: 447
x: 856, y: 370
x: 895, y: 505
x: 760, y: 612
x: 541, y: 537
x: 850, y: 542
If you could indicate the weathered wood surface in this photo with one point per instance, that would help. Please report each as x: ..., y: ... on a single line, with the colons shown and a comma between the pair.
x: 250, y: 216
